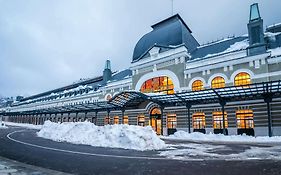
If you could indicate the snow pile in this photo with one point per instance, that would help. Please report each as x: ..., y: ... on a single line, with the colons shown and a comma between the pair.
x: 114, y: 136
x: 24, y: 125
x: 196, y: 136
x: 241, y: 45
x: 2, y: 125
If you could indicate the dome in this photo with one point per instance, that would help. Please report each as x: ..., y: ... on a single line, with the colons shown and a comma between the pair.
x: 170, y: 32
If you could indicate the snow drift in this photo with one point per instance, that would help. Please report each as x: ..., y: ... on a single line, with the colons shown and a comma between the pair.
x: 2, y: 125
x: 196, y: 136
x: 114, y: 136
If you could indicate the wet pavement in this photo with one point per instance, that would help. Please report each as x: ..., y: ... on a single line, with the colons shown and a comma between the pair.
x: 181, y: 157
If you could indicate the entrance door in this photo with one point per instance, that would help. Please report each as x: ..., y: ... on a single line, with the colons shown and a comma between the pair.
x: 155, y: 120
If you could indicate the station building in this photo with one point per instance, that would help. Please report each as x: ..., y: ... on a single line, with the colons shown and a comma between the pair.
x: 169, y: 62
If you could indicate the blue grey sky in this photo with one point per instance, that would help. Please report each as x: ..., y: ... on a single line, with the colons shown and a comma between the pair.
x: 46, y: 44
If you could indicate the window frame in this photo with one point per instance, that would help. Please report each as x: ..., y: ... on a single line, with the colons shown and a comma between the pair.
x: 196, y: 86
x: 218, y: 82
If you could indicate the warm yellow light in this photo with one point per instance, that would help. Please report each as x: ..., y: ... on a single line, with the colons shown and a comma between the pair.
x: 199, y: 121
x: 242, y: 79
x: 245, y: 118
x: 218, y: 120
x: 218, y: 82
x: 197, y: 85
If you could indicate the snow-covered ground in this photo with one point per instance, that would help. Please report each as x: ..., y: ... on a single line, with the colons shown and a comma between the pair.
x: 221, y: 147
x: 201, y: 151
x: 24, y: 125
x: 196, y: 136
x: 114, y: 136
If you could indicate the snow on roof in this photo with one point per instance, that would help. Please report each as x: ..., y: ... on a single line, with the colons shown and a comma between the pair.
x: 216, y: 42
x: 271, y: 36
x: 241, y: 45
x: 273, y: 25
x: 275, y: 52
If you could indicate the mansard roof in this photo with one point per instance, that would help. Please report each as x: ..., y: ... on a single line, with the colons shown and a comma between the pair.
x: 170, y: 32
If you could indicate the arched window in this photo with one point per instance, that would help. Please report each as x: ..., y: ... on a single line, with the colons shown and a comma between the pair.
x: 245, y: 119
x: 218, y: 120
x: 126, y: 120
x: 116, y: 120
x: 158, y: 84
x: 199, y: 121
x: 141, y: 120
x: 218, y: 82
x: 242, y: 79
x: 197, y: 85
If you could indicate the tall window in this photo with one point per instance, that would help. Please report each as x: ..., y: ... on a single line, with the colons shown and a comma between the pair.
x: 106, y: 120
x: 141, y: 120
x: 218, y: 120
x: 172, y: 121
x: 199, y: 121
x: 116, y: 120
x: 218, y: 82
x: 245, y: 118
x: 126, y: 120
x: 158, y: 84
x: 197, y: 85
x: 242, y: 79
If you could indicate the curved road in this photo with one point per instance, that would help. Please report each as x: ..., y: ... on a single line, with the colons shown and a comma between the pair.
x: 23, y: 145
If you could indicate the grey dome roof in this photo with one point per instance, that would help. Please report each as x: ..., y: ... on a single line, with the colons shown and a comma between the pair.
x: 170, y: 32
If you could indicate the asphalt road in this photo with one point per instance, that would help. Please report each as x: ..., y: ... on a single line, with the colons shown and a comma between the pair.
x: 25, y: 147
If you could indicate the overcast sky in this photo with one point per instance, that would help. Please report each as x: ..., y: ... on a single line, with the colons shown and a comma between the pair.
x: 46, y: 44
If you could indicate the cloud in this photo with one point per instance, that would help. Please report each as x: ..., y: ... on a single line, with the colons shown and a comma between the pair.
x: 48, y: 44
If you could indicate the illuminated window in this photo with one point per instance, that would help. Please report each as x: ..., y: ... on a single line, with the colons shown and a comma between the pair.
x: 242, y: 79
x: 155, y: 120
x: 116, y: 120
x: 126, y: 120
x: 158, y: 84
x: 218, y: 120
x: 218, y: 82
x: 197, y: 85
x: 141, y: 120
x: 245, y: 119
x: 106, y: 120
x: 172, y: 121
x: 199, y: 121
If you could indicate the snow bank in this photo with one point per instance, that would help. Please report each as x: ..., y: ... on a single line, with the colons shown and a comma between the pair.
x: 114, y: 136
x: 24, y: 125
x: 2, y: 125
x: 196, y: 136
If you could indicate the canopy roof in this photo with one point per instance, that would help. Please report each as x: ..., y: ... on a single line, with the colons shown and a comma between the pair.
x: 131, y: 99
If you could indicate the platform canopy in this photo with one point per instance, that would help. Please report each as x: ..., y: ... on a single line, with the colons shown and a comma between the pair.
x: 132, y: 99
